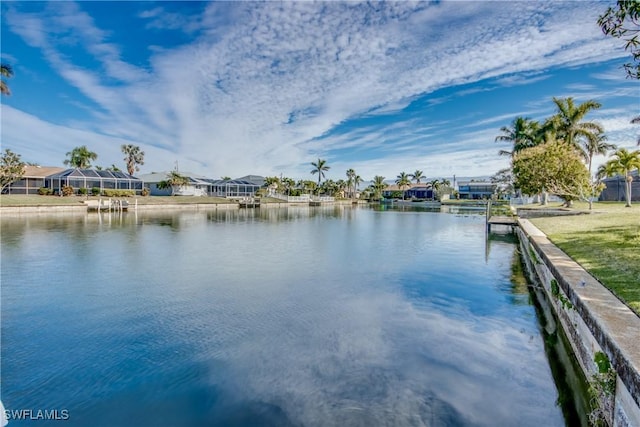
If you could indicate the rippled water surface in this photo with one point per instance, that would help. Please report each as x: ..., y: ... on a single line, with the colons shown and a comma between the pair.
x: 274, y: 317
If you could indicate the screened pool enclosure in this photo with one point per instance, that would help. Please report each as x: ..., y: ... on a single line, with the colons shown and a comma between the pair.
x: 90, y: 178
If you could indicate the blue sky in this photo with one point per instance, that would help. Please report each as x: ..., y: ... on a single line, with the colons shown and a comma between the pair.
x: 236, y: 88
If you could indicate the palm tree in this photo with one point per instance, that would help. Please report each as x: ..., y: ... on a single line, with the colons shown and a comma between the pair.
x: 378, y: 186
x: 80, y: 157
x: 417, y: 176
x: 133, y: 157
x: 623, y: 162
x: 357, y: 180
x: 523, y: 133
x: 568, y: 122
x: 174, y: 179
x: 636, y: 121
x: 319, y: 168
x: 594, y: 146
x: 350, y: 175
x: 402, y: 181
x: 6, y: 71
x: 435, y: 186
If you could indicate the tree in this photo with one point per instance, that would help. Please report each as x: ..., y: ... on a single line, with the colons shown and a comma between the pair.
x: 6, y: 71
x: 133, y: 157
x: 636, y: 121
x: 504, y: 180
x: 435, y: 186
x: 622, y: 22
x: 623, y: 162
x: 553, y: 167
x: 11, y: 168
x: 80, y: 157
x: 357, y: 180
x: 568, y: 123
x: 350, y: 175
x: 594, y: 146
x: 378, y: 186
x: 417, y: 176
x: 288, y: 184
x: 319, y: 167
x: 523, y: 133
x: 403, y: 181
x: 174, y: 180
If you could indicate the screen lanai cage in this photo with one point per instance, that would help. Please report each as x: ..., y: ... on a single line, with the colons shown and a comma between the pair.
x: 90, y: 178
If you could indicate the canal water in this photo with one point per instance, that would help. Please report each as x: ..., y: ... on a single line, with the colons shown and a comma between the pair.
x: 328, y: 316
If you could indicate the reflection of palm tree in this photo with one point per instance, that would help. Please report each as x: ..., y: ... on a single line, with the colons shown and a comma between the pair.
x: 623, y: 162
x: 80, y: 157
x: 403, y: 181
x: 319, y: 168
x: 133, y: 157
x: 5, y: 71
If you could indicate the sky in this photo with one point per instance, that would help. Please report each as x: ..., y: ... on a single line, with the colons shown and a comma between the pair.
x: 237, y: 88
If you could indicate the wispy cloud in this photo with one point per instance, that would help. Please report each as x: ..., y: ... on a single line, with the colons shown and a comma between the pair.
x: 224, y: 104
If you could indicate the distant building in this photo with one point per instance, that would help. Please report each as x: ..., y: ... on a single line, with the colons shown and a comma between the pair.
x: 197, y: 185
x: 476, y: 189
x: 54, y: 178
x: 32, y: 180
x: 254, y: 179
x: 615, y: 188
x: 235, y: 188
x: 91, y: 178
x: 412, y: 191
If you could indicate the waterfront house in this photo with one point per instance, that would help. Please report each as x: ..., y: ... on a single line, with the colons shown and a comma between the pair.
x: 32, y: 179
x: 476, y: 189
x: 91, y: 178
x: 197, y: 185
x: 233, y: 188
x: 615, y: 188
x: 412, y: 191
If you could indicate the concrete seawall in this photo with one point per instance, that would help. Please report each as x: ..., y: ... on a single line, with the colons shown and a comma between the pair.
x: 594, y: 320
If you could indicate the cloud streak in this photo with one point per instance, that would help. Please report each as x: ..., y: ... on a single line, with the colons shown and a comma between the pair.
x: 262, y: 86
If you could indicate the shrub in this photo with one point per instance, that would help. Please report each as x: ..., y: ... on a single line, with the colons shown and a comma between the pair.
x: 95, y: 191
x: 145, y: 192
x: 44, y: 191
x: 83, y: 191
x: 118, y: 193
x: 67, y: 190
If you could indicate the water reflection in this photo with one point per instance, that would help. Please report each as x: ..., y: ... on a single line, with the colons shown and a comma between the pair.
x: 299, y: 316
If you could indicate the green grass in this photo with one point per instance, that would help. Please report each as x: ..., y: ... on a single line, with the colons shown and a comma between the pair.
x: 606, y: 243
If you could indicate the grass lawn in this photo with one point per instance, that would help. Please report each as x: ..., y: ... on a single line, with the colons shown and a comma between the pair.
x: 606, y: 243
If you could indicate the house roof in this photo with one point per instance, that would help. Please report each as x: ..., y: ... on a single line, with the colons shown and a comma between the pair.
x: 41, y: 171
x: 394, y: 187
x: 154, y: 177
x: 92, y: 173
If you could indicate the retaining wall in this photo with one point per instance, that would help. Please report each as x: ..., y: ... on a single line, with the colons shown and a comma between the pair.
x: 593, y: 319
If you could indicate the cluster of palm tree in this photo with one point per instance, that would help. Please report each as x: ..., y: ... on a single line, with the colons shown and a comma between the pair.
x: 403, y: 181
x: 81, y: 157
x: 622, y: 162
x: 568, y: 125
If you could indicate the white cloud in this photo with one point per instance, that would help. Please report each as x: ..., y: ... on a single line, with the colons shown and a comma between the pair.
x: 256, y: 91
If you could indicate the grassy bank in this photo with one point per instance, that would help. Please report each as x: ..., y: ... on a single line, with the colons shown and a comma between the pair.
x: 606, y: 243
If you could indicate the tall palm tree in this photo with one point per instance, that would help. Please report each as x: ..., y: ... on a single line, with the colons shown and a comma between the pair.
x: 6, y: 71
x: 523, y: 133
x: 435, y: 186
x: 378, y: 186
x: 133, y: 157
x: 350, y: 175
x: 568, y: 122
x: 357, y: 180
x: 403, y: 180
x: 593, y: 146
x: 636, y: 121
x: 80, y: 157
x: 624, y: 162
x: 417, y: 176
x: 319, y: 168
